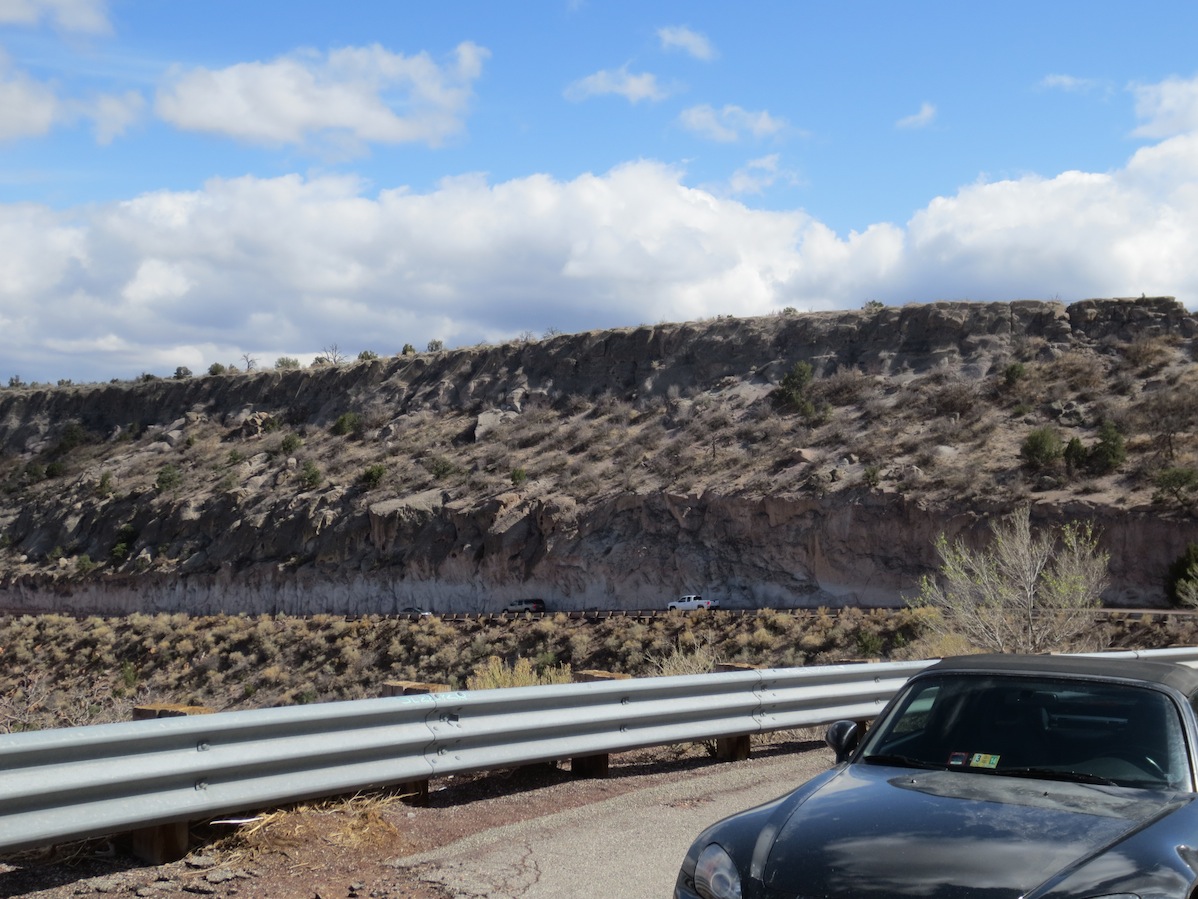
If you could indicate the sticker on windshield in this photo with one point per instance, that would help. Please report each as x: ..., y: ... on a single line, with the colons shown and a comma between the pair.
x: 957, y: 759
x: 982, y: 760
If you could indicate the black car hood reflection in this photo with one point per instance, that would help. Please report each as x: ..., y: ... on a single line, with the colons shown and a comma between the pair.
x: 883, y: 831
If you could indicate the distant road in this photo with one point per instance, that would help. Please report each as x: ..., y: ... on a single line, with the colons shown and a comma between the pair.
x: 627, y: 847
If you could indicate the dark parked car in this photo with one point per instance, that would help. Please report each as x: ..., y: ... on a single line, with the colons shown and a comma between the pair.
x: 525, y: 605
x: 986, y: 777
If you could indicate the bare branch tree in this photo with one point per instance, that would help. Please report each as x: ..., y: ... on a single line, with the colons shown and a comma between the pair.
x: 333, y: 354
x: 1028, y: 591
x: 250, y: 362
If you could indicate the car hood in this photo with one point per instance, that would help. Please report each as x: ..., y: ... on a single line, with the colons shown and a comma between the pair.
x: 886, y: 832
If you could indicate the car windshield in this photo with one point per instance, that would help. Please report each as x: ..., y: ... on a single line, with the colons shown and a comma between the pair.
x: 1086, y: 731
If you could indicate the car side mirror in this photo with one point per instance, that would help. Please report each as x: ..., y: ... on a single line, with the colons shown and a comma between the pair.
x: 842, y: 738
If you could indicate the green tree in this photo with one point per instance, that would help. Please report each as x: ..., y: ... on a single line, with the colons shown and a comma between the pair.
x: 1028, y: 591
x: 1109, y: 452
x: 367, y: 356
x: 284, y: 363
x: 1176, y: 482
x: 436, y: 345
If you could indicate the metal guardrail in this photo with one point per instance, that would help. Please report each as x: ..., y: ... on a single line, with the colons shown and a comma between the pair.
x: 89, y: 781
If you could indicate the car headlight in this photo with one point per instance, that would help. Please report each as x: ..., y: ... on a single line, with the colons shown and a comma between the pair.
x: 716, y: 876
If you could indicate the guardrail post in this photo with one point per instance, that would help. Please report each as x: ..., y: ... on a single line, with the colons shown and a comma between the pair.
x: 163, y: 843
x: 733, y: 749
x: 412, y: 792
x: 593, y: 766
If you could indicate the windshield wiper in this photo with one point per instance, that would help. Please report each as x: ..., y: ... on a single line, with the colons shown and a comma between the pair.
x: 899, y: 761
x: 1082, y: 777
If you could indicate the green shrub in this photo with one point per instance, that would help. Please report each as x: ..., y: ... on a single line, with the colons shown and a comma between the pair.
x: 440, y: 467
x: 1041, y: 448
x: 1014, y: 373
x: 216, y: 368
x: 1075, y: 456
x: 84, y: 564
x: 284, y: 363
x: 373, y: 475
x: 408, y: 350
x: 310, y: 475
x: 1183, y: 574
x: 290, y: 443
x: 182, y: 373
x: 1176, y: 482
x: 1109, y: 453
x: 169, y: 478
x: 367, y: 356
x: 519, y: 476
x: 436, y: 345
x: 348, y: 423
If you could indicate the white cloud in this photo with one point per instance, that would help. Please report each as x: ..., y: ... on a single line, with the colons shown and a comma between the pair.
x: 28, y: 108
x: 359, y: 94
x: 730, y: 123
x: 692, y: 42
x: 84, y: 16
x: 1068, y: 83
x: 1167, y: 108
x: 113, y: 114
x: 758, y: 174
x: 283, y: 266
x: 921, y: 119
x: 632, y: 87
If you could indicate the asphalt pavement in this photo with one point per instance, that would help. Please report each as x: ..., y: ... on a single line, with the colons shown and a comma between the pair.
x: 627, y: 847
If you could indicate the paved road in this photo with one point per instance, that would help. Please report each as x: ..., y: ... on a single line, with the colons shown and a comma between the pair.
x: 628, y: 847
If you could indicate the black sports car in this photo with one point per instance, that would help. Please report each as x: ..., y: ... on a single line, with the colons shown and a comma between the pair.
x: 985, y: 777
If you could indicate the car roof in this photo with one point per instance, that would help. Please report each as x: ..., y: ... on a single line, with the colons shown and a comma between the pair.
x: 1171, y: 674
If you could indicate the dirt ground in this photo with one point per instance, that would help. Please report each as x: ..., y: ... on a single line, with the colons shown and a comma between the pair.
x: 349, y: 848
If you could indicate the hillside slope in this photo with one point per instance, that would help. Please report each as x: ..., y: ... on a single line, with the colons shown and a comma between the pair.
x: 608, y: 469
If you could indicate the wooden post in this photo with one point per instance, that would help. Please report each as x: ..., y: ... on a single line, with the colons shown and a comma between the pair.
x: 412, y: 792
x: 594, y: 766
x: 733, y: 749
x: 162, y: 843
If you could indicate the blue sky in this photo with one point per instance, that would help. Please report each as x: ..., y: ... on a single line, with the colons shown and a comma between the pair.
x: 183, y: 183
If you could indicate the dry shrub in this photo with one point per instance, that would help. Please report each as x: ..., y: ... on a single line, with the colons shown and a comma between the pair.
x: 1148, y: 354
x: 844, y: 387
x: 495, y: 673
x: 698, y: 657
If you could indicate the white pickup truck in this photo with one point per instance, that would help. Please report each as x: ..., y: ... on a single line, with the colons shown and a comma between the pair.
x: 693, y: 601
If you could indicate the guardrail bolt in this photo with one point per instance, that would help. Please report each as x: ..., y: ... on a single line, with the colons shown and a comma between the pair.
x: 203, y: 746
x: 201, y: 785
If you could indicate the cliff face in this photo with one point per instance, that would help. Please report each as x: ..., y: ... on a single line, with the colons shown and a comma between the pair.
x: 777, y: 518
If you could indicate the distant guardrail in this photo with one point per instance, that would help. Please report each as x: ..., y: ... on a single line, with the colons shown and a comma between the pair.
x: 89, y: 781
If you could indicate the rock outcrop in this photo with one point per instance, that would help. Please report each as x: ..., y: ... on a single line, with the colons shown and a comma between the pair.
x: 256, y: 542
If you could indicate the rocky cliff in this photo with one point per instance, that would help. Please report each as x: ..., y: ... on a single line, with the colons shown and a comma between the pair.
x: 607, y: 469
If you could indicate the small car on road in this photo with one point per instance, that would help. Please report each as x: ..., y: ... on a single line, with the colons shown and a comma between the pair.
x: 986, y: 777
x: 693, y: 601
